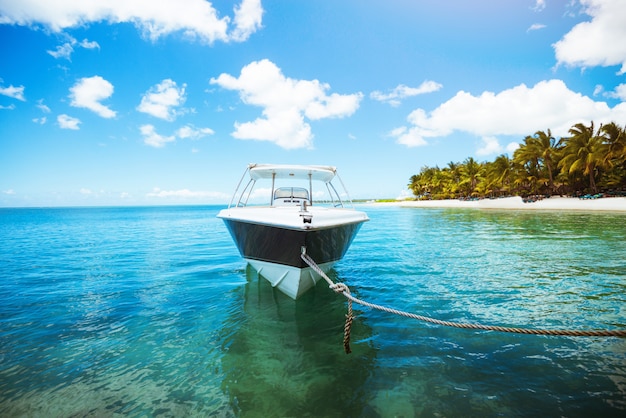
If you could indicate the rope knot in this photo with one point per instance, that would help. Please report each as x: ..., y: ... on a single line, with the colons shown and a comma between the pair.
x: 340, y: 288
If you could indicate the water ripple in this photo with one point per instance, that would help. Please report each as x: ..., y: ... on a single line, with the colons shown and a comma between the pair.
x: 151, y: 311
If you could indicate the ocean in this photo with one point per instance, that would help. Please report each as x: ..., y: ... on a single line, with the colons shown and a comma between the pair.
x: 150, y: 311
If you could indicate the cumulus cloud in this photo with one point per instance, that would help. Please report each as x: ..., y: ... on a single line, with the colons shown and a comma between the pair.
x: 512, y: 147
x: 89, y: 91
x: 65, y: 50
x: 598, y: 42
x: 162, y: 100
x: 89, y: 44
x: 618, y: 93
x: 489, y: 145
x: 186, y: 194
x: 62, y: 51
x: 13, y: 92
x: 152, y: 138
x: 41, y: 106
x: 402, y: 92
x: 68, y: 122
x: 193, y: 18
x: 191, y: 132
x: 286, y: 103
x: 517, y: 111
x: 248, y: 16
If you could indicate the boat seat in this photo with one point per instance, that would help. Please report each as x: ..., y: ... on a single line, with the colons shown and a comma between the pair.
x: 290, y: 196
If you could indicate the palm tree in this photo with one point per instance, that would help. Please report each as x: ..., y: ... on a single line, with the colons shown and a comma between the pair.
x: 615, y: 139
x: 471, y: 172
x: 584, y: 152
x: 499, y: 173
x: 547, y: 147
x: 586, y: 157
x: 527, y: 156
x: 453, y: 172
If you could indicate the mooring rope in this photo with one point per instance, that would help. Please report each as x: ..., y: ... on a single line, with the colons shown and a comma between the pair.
x: 343, y: 289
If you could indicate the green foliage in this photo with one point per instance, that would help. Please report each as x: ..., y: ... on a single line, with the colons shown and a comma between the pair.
x: 588, y: 161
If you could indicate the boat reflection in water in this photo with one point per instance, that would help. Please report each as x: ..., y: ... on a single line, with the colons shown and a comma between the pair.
x: 286, y: 358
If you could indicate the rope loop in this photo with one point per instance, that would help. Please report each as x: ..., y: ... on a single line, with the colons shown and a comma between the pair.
x: 340, y: 288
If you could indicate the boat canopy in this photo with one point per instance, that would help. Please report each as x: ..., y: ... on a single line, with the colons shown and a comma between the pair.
x: 304, y: 172
x: 273, y: 172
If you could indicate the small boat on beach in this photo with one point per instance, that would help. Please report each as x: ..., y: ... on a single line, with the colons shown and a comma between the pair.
x: 296, y: 217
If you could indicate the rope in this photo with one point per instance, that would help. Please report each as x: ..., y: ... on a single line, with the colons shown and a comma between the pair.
x: 343, y: 289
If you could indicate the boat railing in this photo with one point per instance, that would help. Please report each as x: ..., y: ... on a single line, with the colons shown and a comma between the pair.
x: 241, y: 196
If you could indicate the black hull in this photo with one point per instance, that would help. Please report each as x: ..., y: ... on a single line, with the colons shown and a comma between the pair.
x: 284, y: 246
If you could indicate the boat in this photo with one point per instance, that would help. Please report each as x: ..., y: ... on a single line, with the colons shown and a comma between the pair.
x: 295, y: 216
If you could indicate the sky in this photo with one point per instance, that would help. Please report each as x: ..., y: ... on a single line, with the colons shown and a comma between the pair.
x: 157, y: 102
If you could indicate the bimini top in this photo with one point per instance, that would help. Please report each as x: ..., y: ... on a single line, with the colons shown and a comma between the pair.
x: 313, y: 172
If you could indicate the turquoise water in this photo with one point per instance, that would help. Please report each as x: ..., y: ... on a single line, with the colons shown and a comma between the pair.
x: 151, y: 312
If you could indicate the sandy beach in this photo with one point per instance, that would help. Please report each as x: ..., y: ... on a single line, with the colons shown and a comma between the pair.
x: 611, y: 204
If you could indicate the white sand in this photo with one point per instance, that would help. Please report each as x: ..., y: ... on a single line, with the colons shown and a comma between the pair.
x: 615, y: 204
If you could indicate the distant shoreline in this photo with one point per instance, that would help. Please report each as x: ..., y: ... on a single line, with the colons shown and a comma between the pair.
x: 607, y: 204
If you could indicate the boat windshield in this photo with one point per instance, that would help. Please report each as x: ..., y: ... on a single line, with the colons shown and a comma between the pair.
x: 291, y: 192
x: 290, y: 196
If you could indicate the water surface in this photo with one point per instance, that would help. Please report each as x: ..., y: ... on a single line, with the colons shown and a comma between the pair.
x: 151, y: 312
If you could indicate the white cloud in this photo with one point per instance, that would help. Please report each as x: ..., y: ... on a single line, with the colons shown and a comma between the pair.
x: 193, y: 18
x: 9, y: 107
x: 248, y: 17
x: 285, y: 102
x: 409, y: 137
x: 539, y: 5
x: 42, y: 107
x: 68, y: 122
x: 186, y: 194
x: 402, y: 92
x: 598, y: 89
x: 66, y: 50
x: 598, y: 42
x: 191, y: 132
x: 13, y: 92
x: 89, y: 44
x: 62, y: 51
x: 40, y: 121
x: 619, y: 93
x: 85, y: 191
x: 512, y: 147
x: 152, y: 138
x: 490, y: 146
x: 162, y: 100
x: 517, y: 111
x: 88, y: 92
x: 535, y: 26
x: 9, y: 192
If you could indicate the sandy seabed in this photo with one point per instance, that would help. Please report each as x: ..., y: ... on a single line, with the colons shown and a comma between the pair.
x: 613, y: 204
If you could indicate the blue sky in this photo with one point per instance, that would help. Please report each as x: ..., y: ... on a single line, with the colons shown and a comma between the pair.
x: 141, y: 102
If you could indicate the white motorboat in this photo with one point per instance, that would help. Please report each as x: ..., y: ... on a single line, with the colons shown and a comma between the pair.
x: 296, y: 217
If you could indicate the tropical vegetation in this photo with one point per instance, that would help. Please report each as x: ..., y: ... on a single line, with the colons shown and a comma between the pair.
x: 588, y: 161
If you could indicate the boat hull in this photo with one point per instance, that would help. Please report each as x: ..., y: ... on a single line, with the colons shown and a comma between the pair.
x: 275, y: 252
x: 292, y: 281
